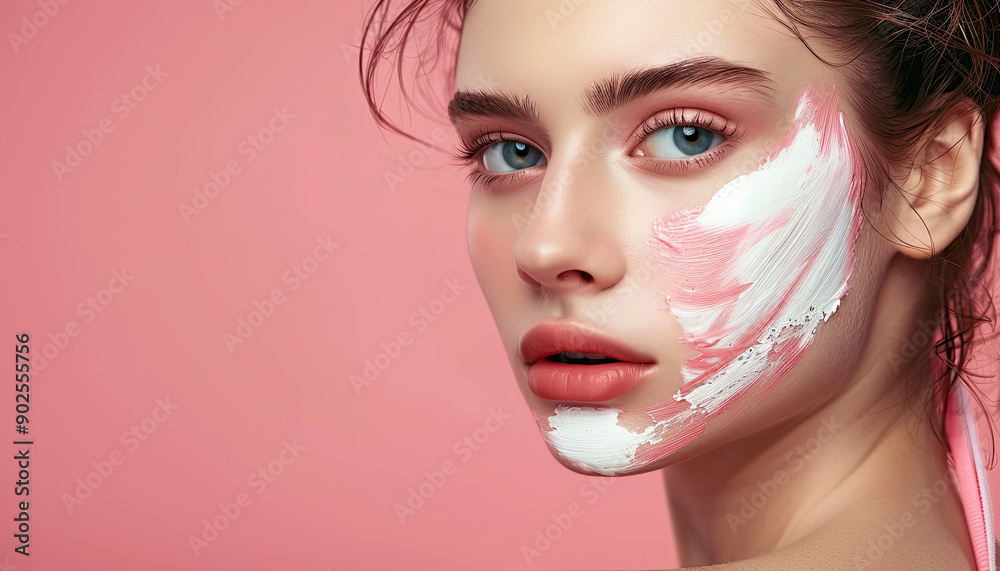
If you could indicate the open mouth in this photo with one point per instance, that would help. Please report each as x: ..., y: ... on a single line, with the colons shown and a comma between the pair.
x: 576, y: 358
x: 569, y: 361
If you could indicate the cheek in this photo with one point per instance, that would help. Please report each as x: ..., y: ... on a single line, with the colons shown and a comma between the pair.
x: 490, y: 242
x: 491, y: 235
x: 479, y: 239
x: 749, y: 277
x: 752, y: 274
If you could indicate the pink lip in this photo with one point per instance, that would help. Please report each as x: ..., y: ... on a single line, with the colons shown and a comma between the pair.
x: 581, y: 383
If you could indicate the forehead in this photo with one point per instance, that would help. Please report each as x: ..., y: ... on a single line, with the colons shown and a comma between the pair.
x: 557, y: 50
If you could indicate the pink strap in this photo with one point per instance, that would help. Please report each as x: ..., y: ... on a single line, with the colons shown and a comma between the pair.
x: 970, y: 477
x: 966, y: 455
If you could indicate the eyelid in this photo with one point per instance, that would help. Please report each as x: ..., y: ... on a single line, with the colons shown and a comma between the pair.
x: 470, y: 154
x: 470, y: 150
x: 681, y: 116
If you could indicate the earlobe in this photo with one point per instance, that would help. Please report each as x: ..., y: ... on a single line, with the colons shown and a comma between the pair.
x: 936, y: 200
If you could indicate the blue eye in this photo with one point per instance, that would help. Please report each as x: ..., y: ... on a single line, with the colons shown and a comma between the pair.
x: 682, y: 141
x: 510, y: 156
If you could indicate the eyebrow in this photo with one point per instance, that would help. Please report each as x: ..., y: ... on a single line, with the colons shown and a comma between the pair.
x: 607, y: 95
x: 467, y: 105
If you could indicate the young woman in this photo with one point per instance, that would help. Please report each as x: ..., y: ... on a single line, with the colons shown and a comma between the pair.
x: 752, y: 255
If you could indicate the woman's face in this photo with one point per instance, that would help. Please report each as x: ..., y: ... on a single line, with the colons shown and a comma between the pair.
x: 667, y: 230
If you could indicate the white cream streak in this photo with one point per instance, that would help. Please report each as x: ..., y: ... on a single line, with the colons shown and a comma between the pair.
x: 592, y: 439
x: 749, y: 276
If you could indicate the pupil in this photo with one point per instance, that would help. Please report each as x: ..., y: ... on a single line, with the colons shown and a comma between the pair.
x: 520, y: 155
x: 693, y: 140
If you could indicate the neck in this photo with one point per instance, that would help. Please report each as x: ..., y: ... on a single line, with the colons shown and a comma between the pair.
x: 867, y: 448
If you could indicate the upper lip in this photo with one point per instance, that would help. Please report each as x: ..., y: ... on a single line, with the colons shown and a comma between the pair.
x: 551, y: 337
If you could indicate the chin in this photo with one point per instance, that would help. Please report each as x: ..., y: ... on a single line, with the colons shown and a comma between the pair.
x: 590, y: 440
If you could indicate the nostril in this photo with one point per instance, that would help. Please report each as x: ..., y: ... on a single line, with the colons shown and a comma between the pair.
x: 580, y: 275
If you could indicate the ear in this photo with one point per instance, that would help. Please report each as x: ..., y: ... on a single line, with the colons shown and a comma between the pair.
x: 939, y: 192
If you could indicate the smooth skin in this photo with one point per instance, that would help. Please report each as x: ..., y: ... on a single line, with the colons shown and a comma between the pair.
x: 580, y: 251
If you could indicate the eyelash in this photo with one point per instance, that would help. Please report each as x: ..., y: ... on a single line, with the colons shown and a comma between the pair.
x: 676, y: 118
x: 468, y: 155
x: 468, y: 152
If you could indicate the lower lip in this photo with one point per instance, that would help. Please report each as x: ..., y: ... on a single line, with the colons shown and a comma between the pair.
x: 585, y: 383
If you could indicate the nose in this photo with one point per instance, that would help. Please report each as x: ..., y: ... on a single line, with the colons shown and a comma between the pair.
x: 570, y: 242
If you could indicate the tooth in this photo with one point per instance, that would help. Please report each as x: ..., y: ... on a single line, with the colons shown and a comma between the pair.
x: 575, y: 355
x: 595, y: 356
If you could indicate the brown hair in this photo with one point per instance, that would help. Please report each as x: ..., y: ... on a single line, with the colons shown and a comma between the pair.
x: 927, y: 56
x: 922, y: 57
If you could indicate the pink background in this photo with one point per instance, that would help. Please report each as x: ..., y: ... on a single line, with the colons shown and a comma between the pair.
x: 322, y: 176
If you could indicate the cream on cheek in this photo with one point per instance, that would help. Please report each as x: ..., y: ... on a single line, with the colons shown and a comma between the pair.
x: 749, y: 277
